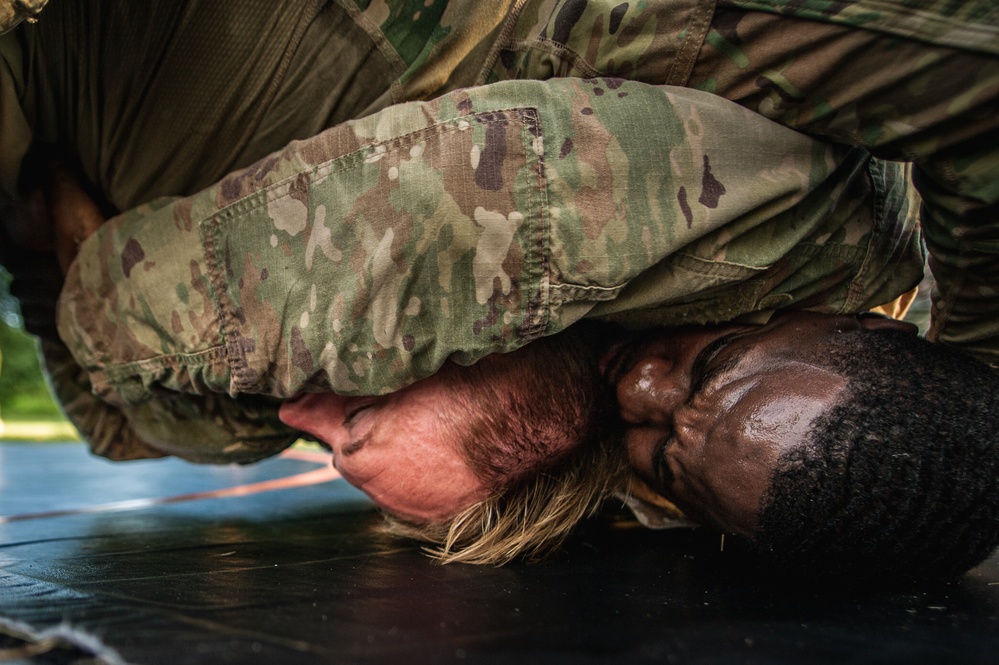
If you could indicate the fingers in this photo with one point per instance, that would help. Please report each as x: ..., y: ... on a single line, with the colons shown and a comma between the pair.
x: 74, y: 214
x: 57, y: 211
x: 41, y: 233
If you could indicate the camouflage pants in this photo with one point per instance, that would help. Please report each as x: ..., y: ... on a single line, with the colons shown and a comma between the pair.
x: 934, y: 105
x: 913, y: 80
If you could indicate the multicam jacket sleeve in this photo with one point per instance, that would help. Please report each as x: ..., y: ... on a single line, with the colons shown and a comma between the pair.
x: 13, y: 12
x: 910, y: 80
x: 362, y: 259
x: 211, y: 428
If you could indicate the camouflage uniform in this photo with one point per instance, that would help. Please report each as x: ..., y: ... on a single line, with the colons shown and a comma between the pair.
x: 13, y: 12
x: 472, y: 223
x: 915, y: 80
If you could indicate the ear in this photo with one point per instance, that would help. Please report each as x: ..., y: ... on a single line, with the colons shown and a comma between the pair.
x: 872, y: 321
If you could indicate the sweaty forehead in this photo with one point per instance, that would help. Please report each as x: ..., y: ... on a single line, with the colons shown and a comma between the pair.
x: 769, y: 352
x: 726, y: 470
x: 776, y: 407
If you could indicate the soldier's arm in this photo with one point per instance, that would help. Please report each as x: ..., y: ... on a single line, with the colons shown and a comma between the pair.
x: 363, y: 258
x: 212, y: 429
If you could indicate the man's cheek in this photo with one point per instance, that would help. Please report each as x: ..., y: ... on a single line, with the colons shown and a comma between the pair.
x: 358, y: 470
x: 639, y: 442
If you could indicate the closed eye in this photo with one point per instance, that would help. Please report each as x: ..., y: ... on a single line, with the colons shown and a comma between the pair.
x: 704, y: 372
x: 358, y: 407
x: 354, y: 446
x: 664, y: 474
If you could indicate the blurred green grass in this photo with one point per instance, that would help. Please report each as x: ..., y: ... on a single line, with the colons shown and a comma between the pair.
x: 27, y: 411
x: 37, y: 430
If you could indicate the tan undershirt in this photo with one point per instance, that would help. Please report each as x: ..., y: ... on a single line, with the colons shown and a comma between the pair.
x: 202, y: 100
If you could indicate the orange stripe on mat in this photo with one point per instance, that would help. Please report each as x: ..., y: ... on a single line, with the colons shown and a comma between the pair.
x: 314, y: 477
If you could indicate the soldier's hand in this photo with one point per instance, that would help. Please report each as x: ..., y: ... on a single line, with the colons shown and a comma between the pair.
x: 74, y: 214
x: 56, y: 211
x: 40, y: 234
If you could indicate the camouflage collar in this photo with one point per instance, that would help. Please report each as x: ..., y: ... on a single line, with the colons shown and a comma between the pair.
x: 12, y: 12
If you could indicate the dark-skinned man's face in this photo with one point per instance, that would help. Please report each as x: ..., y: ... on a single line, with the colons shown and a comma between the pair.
x: 709, y: 410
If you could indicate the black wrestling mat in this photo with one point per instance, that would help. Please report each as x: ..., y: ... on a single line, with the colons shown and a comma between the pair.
x: 164, y: 562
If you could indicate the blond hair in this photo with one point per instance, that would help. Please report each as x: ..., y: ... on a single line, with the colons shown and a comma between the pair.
x: 530, y: 519
x: 535, y: 426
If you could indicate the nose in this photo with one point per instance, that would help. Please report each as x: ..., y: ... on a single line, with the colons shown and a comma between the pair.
x: 650, y: 392
x: 319, y: 414
x: 296, y: 411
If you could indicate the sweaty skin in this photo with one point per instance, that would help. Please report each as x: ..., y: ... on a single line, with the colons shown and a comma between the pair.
x: 400, y: 449
x: 709, y: 410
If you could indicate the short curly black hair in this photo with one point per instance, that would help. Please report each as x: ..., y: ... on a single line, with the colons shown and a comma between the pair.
x: 900, y: 480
